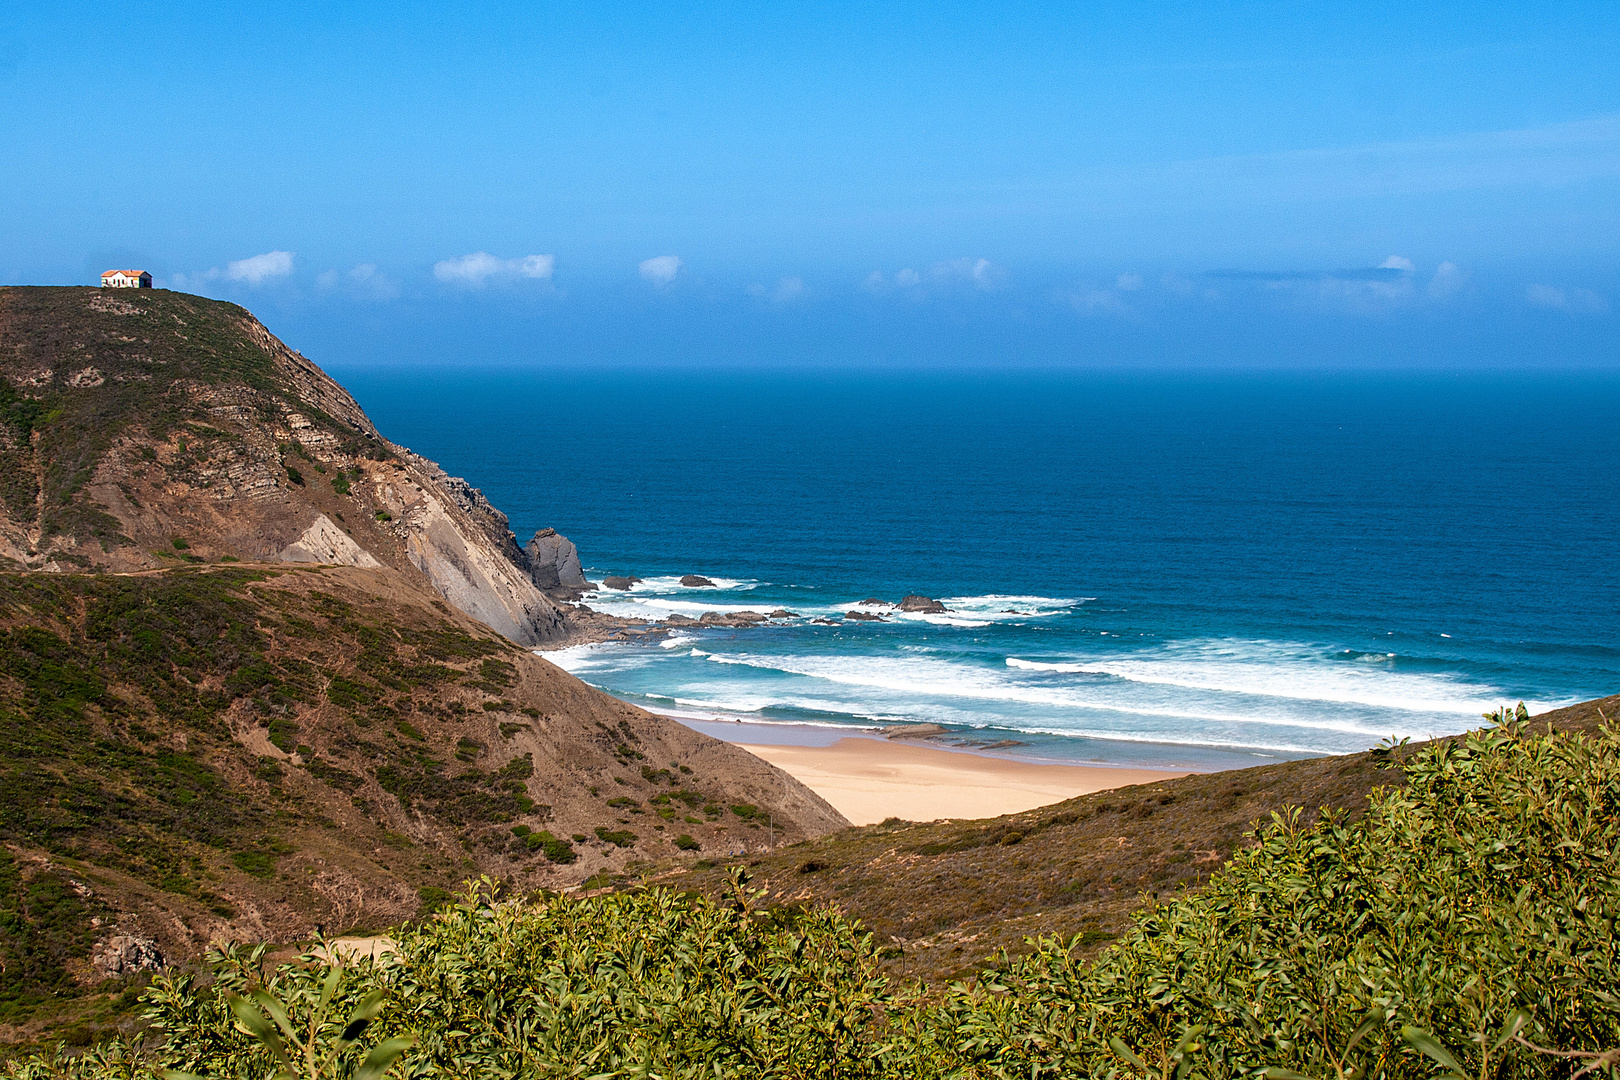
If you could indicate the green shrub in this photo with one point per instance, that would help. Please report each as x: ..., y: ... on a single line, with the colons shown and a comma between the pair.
x: 557, y: 850
x: 620, y: 838
x: 686, y: 843
x: 1476, y: 904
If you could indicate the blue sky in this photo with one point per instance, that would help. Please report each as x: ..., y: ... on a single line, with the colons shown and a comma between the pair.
x: 871, y: 184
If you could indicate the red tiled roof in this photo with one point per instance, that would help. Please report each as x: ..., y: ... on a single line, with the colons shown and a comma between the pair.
x: 126, y: 273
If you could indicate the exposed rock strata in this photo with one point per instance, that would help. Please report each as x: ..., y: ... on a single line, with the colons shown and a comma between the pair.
x: 553, y: 561
x: 183, y: 417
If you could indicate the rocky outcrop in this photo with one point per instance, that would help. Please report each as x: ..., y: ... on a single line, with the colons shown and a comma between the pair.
x: 924, y: 604
x: 864, y: 616
x: 696, y: 581
x: 125, y: 954
x: 620, y: 583
x: 553, y: 562
x: 324, y: 542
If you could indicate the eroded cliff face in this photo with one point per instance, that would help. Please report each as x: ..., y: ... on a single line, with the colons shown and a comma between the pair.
x: 156, y: 428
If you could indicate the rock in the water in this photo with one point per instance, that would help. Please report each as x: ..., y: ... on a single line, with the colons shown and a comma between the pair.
x: 679, y: 620
x: 620, y: 583
x: 911, y: 731
x: 732, y: 618
x: 925, y: 604
x: 872, y: 601
x: 784, y: 613
x: 123, y: 954
x: 554, y: 561
x: 696, y: 581
x: 864, y: 616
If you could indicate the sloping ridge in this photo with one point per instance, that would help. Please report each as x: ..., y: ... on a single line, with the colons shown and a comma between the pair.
x: 253, y: 753
x: 151, y: 428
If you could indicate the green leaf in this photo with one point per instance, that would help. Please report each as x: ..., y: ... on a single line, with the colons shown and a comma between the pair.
x: 380, y: 1060
x: 1275, y: 1073
x: 254, y: 1023
x: 1373, y: 1020
x: 1431, y: 1046
x: 1516, y: 1022
x: 1118, y: 1046
x: 329, y: 988
x: 270, y: 1005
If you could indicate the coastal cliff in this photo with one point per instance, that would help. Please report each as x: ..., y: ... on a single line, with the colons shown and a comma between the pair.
x: 263, y: 671
x: 153, y: 428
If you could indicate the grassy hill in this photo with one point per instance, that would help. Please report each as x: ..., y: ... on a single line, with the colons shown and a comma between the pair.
x: 250, y: 753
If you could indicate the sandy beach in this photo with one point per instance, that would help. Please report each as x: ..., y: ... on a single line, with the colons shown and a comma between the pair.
x: 868, y: 780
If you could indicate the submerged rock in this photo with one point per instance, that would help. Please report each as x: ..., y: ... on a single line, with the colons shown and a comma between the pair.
x: 925, y: 604
x: 697, y: 581
x: 731, y: 618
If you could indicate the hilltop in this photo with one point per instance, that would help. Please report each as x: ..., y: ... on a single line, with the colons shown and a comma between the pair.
x: 264, y: 672
x: 145, y: 428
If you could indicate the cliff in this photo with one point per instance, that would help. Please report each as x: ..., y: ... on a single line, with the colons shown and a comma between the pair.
x: 149, y: 428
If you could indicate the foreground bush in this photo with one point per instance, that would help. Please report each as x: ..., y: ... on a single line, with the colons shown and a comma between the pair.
x: 1490, y: 884
x: 1462, y: 919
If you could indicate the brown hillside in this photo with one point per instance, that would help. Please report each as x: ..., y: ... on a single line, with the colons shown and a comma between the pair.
x: 148, y: 428
x: 247, y: 753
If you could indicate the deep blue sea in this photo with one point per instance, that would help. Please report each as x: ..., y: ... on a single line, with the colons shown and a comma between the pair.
x: 1170, y: 569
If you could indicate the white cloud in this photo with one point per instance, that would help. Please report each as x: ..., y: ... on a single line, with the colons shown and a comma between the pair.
x: 874, y: 282
x: 907, y: 278
x: 661, y: 269
x: 981, y: 272
x: 1100, y: 302
x: 787, y: 289
x: 1448, y: 279
x: 480, y: 267
x: 1128, y: 282
x: 362, y: 280
x: 1573, y: 301
x: 1397, y: 262
x: 256, y: 269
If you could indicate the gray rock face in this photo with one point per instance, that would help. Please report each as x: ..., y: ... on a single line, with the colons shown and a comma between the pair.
x: 554, y: 561
x: 122, y: 954
x: 696, y: 581
x: 324, y: 542
x: 620, y: 583
x: 924, y: 604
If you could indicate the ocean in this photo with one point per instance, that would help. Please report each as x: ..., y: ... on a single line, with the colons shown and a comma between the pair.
x: 1179, y: 570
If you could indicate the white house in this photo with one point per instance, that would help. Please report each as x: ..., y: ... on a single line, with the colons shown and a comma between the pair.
x: 126, y: 279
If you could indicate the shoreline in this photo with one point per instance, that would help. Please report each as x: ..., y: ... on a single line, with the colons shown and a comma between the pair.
x: 869, y: 776
x: 870, y: 780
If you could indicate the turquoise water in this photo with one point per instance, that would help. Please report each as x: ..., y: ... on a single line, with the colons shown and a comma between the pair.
x: 1197, y: 570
